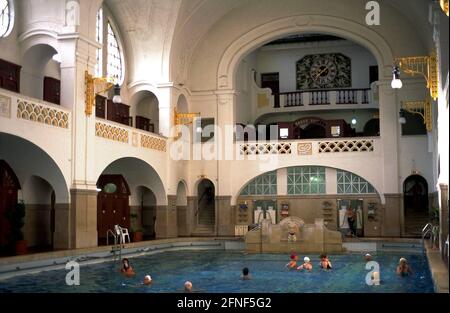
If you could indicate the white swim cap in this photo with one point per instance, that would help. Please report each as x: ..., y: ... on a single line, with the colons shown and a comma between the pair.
x: 368, y: 255
x: 188, y: 284
x: 402, y: 260
x: 148, y: 277
x: 306, y: 259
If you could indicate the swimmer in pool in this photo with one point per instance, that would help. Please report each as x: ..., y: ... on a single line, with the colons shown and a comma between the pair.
x: 127, y: 270
x: 293, y: 263
x: 368, y: 257
x: 245, y: 274
x: 188, y: 286
x: 325, y: 262
x: 403, y: 268
x: 306, y: 264
x: 147, y: 280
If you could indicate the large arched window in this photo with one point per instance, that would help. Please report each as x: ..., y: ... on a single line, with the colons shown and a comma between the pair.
x: 6, y: 17
x: 109, y: 58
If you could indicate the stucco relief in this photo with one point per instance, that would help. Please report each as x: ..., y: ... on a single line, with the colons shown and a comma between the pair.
x: 5, y: 106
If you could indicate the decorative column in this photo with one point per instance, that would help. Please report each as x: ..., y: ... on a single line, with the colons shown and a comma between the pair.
x: 224, y: 140
x: 389, y: 168
x: 78, y: 56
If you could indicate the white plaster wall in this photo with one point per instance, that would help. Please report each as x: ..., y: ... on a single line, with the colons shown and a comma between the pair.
x: 283, y: 59
x: 36, y: 190
x: 244, y: 83
x: 414, y: 155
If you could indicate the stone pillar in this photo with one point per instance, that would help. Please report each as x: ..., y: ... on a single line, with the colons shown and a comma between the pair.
x: 83, y: 218
x: 390, y: 223
x: 191, y: 218
x: 389, y: 134
x: 61, y: 235
x: 443, y: 216
x: 225, y: 216
x: 166, y: 219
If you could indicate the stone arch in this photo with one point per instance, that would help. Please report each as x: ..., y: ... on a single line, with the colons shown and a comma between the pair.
x: 344, y: 28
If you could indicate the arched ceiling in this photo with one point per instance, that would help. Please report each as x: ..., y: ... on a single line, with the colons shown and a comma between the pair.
x: 171, y: 32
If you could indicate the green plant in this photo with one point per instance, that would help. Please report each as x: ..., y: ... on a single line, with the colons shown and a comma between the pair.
x: 16, y: 218
x: 434, y: 215
x: 133, y: 227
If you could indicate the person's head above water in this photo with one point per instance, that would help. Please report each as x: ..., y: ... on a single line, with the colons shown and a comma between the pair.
x: 147, y: 280
x: 323, y: 256
x: 188, y: 286
x: 306, y: 259
x: 245, y: 271
x: 126, y: 263
x: 368, y: 257
x: 402, y: 261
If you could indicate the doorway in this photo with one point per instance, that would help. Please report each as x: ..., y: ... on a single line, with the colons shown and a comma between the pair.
x: 265, y: 209
x: 415, y: 204
x: 9, y: 186
x: 112, y: 204
x: 272, y: 81
x: 206, y: 204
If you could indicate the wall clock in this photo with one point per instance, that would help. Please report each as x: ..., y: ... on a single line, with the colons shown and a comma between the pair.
x: 322, y: 71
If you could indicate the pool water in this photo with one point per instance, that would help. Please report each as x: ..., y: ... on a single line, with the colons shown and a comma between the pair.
x: 219, y: 271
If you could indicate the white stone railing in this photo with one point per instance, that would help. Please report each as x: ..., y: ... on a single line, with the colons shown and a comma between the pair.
x: 265, y: 148
x: 308, y: 147
x: 14, y: 105
x: 356, y: 145
x: 128, y: 135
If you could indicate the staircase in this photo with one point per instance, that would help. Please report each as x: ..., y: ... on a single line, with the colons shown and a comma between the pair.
x: 205, y: 217
x: 414, y: 223
x: 204, y: 231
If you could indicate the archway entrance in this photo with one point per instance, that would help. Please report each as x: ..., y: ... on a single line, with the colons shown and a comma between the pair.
x: 112, y: 204
x: 206, y: 206
x: 147, y: 212
x: 415, y: 201
x: 9, y: 186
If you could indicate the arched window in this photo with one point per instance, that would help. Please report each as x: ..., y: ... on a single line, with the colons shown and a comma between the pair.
x: 6, y: 17
x: 109, y: 59
x: 99, y: 38
x: 114, y: 68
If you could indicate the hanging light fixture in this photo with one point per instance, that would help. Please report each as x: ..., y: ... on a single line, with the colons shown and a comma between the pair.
x: 117, y: 98
x: 396, y: 82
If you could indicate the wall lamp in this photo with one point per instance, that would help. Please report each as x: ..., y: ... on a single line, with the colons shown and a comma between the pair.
x: 444, y: 6
x: 90, y: 83
x: 422, y: 108
x: 424, y: 65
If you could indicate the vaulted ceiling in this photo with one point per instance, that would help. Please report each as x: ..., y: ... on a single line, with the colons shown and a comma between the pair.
x: 168, y: 32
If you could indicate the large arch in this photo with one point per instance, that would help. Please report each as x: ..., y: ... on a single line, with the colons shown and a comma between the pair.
x: 137, y: 172
x: 28, y: 159
x: 239, y: 190
x: 286, y: 26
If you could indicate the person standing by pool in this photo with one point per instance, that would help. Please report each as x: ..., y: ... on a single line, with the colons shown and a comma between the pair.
x: 306, y: 264
x: 351, y: 220
x: 245, y: 274
x: 127, y: 270
x: 403, y: 268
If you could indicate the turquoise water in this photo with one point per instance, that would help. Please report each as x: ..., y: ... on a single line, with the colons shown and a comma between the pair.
x: 219, y: 271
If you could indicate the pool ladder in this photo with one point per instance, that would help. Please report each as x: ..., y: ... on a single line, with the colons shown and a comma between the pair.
x: 117, y: 247
x: 433, y: 231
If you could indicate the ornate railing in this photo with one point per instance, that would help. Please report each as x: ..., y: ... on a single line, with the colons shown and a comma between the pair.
x: 265, y: 148
x: 362, y: 145
x: 111, y: 132
x: 41, y: 113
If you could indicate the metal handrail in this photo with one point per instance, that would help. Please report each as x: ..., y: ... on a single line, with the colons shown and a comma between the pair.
x: 434, y: 238
x: 446, y: 248
x: 425, y: 230
x: 114, y: 236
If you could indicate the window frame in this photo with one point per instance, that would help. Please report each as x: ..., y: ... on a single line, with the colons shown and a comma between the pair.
x: 11, y: 19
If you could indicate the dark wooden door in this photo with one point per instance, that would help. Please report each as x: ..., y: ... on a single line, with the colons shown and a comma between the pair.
x: 100, y: 106
x: 9, y: 76
x: 272, y: 81
x: 9, y: 185
x: 112, y: 203
x: 52, y: 90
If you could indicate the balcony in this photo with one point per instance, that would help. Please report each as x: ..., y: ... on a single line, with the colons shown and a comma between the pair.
x: 323, y: 99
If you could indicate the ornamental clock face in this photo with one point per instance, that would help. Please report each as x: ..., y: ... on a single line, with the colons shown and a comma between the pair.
x: 321, y: 71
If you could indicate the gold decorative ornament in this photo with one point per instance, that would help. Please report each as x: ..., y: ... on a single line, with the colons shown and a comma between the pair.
x: 422, y: 108
x: 444, y: 6
x: 90, y: 83
x: 424, y: 65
